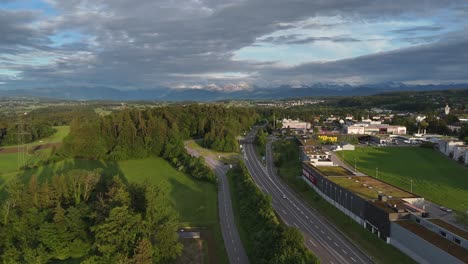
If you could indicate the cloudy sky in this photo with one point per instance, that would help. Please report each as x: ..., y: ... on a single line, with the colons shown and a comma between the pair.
x: 230, y: 44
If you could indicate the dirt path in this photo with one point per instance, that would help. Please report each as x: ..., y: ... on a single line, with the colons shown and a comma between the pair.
x: 9, y: 150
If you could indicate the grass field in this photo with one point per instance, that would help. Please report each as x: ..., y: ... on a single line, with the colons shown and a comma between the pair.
x: 195, y: 201
x: 60, y: 133
x: 379, y: 251
x: 435, y: 177
x: 195, y: 144
x: 9, y: 161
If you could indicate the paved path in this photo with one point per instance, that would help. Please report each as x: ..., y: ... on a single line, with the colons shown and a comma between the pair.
x: 232, y: 242
x: 320, y: 236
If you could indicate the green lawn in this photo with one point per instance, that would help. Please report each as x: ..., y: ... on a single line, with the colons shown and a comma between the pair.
x: 195, y: 144
x: 289, y: 170
x: 435, y: 177
x: 195, y: 201
x: 9, y: 161
x: 60, y: 133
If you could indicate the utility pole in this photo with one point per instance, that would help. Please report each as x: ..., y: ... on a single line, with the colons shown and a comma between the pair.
x: 411, y: 185
x: 355, y: 167
x: 22, y: 147
x: 377, y: 173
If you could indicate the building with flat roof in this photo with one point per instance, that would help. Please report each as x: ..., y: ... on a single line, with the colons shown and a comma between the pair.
x: 447, y: 146
x: 371, y: 129
x: 295, y: 124
x: 369, y: 201
x: 391, y: 213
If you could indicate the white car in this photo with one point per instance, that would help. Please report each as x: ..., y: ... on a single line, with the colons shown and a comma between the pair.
x: 284, y: 196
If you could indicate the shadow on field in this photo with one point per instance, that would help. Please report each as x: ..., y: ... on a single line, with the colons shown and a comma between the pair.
x: 46, y: 172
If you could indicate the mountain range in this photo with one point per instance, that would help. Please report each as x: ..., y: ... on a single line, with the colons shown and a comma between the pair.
x: 256, y: 93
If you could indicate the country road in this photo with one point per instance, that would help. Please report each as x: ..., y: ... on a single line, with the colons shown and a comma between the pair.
x: 321, y: 237
x: 232, y: 242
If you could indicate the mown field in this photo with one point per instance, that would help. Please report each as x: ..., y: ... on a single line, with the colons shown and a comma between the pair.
x: 435, y: 177
x: 290, y: 167
x: 9, y: 160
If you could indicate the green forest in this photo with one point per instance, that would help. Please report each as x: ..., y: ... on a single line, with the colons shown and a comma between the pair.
x: 83, y: 216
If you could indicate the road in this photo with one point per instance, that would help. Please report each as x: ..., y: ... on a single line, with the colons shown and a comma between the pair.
x: 321, y: 237
x: 232, y: 242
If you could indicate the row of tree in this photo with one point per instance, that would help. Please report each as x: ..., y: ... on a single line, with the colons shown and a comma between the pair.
x: 84, y: 217
x: 30, y: 131
x: 269, y: 241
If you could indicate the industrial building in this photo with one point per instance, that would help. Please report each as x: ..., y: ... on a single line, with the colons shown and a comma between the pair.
x: 390, y: 213
x: 295, y: 124
x: 371, y: 129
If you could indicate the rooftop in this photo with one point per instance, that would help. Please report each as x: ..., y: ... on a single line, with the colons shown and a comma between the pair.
x: 334, y: 171
x: 435, y: 239
x: 369, y: 188
x: 457, y: 231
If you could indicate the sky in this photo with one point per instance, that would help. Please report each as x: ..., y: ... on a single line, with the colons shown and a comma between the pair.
x: 230, y: 45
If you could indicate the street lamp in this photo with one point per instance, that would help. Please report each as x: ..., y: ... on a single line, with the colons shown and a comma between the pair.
x: 411, y: 185
x: 355, y: 165
x: 376, y: 173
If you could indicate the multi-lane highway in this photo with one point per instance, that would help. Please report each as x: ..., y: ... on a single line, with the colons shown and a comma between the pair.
x: 234, y: 248
x: 320, y: 236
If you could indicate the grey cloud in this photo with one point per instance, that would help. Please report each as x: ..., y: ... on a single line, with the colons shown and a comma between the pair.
x: 439, y: 62
x: 413, y: 30
x: 143, y: 43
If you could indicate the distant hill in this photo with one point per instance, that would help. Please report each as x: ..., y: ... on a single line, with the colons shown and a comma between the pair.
x: 257, y: 93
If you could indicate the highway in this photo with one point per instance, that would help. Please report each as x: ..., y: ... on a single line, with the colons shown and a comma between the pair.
x: 232, y: 242
x: 327, y: 243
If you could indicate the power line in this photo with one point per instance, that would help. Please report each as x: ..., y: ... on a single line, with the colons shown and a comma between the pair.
x: 22, y: 147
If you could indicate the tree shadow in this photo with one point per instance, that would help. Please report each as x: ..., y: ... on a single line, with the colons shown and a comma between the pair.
x: 108, y: 168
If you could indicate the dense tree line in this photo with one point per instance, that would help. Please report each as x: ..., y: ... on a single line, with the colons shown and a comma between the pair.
x: 32, y: 130
x: 269, y: 240
x: 84, y: 217
x: 140, y: 133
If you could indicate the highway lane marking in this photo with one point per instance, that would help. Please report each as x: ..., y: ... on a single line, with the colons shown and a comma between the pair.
x: 335, y: 244
x: 284, y: 211
x: 329, y: 238
x: 353, y: 259
x: 312, y: 243
x: 344, y: 251
x: 295, y: 225
x: 316, y: 226
x: 262, y: 179
x: 321, y: 231
x: 307, y: 217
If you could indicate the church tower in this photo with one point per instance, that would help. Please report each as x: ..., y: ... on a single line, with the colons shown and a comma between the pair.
x: 447, y: 109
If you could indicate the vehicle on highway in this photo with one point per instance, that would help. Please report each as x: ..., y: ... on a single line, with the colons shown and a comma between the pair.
x: 284, y: 196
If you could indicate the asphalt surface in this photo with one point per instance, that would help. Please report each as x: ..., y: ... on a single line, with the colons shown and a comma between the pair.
x: 322, y: 238
x: 232, y: 242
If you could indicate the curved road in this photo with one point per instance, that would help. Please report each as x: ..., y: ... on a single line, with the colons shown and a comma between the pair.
x: 320, y: 236
x: 234, y: 248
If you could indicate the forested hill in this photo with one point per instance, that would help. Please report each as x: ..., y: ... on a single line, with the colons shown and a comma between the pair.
x: 160, y: 132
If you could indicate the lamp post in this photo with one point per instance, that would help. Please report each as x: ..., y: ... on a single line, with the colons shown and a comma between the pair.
x: 376, y: 173
x: 411, y: 185
x: 355, y: 165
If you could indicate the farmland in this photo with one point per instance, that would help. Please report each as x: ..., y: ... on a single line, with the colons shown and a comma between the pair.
x: 433, y: 175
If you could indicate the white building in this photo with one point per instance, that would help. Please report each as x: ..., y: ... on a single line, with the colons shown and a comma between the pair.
x: 447, y: 146
x: 459, y: 152
x: 295, y: 124
x: 447, y: 110
x: 370, y: 129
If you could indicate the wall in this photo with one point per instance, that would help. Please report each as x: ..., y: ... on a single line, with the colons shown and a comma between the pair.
x: 435, y: 228
x: 417, y: 248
